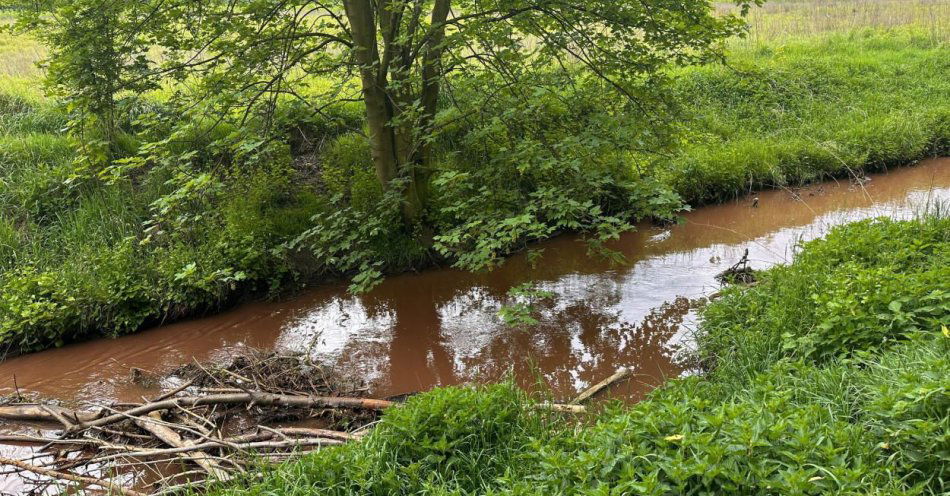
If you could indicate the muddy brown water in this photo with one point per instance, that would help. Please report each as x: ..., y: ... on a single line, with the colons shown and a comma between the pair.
x: 441, y: 327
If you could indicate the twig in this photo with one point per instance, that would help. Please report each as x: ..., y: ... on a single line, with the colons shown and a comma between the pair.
x: 70, y: 477
x: 216, y: 444
x: 175, y: 391
x: 621, y: 374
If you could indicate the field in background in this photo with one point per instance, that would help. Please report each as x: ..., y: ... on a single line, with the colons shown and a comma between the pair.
x: 784, y: 19
x: 776, y: 20
x: 18, y: 55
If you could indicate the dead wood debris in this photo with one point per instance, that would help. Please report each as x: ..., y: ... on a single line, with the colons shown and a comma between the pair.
x: 213, y: 422
x: 740, y: 273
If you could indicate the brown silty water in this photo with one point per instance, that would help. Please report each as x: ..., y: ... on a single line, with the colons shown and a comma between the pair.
x: 441, y: 327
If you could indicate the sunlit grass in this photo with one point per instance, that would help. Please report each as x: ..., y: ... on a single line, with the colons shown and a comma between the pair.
x: 780, y: 20
x: 18, y: 54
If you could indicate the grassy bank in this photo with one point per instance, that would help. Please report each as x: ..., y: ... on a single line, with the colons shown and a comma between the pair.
x: 83, y: 256
x: 828, y: 377
x: 800, y: 110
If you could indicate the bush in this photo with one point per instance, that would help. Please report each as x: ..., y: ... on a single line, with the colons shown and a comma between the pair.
x: 863, y: 287
x: 452, y: 441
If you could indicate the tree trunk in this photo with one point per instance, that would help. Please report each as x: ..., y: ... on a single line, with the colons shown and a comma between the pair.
x: 396, y: 149
x: 378, y: 111
x: 420, y: 161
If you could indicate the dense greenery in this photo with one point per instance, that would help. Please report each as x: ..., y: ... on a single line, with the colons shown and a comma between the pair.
x: 804, y: 109
x: 401, y: 60
x: 86, y: 253
x: 821, y: 382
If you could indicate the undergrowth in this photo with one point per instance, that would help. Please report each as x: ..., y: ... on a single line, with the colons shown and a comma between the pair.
x: 863, y: 409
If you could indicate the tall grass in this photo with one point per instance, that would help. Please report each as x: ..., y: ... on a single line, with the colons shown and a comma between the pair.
x: 797, y: 111
x: 18, y: 54
x: 783, y: 20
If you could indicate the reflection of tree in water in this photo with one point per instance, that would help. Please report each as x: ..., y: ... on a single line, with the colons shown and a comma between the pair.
x: 583, y: 344
x: 447, y: 332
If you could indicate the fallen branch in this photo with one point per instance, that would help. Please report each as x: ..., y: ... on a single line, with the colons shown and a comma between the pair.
x: 18, y: 438
x: 70, y: 477
x: 562, y: 408
x: 621, y: 374
x: 34, y: 412
x: 260, y: 399
x: 172, y: 438
x: 260, y: 445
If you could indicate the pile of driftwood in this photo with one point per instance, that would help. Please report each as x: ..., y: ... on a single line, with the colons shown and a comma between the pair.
x: 214, y: 423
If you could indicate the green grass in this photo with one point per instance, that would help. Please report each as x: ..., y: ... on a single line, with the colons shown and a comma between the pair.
x: 864, y: 410
x: 798, y: 111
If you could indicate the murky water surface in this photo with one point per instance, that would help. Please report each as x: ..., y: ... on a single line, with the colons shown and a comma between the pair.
x: 441, y: 327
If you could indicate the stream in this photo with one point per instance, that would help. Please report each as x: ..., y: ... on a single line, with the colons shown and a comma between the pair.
x: 441, y: 327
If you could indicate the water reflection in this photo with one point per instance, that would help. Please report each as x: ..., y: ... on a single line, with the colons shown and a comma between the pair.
x: 442, y: 327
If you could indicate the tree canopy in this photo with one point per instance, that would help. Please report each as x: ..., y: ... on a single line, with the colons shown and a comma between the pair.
x: 420, y: 70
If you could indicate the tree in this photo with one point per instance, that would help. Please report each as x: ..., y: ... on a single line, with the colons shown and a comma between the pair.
x: 396, y: 56
x: 96, y: 51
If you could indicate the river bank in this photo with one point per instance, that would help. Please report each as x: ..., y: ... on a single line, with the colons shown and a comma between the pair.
x: 441, y: 328
x: 827, y: 377
x: 76, y: 262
